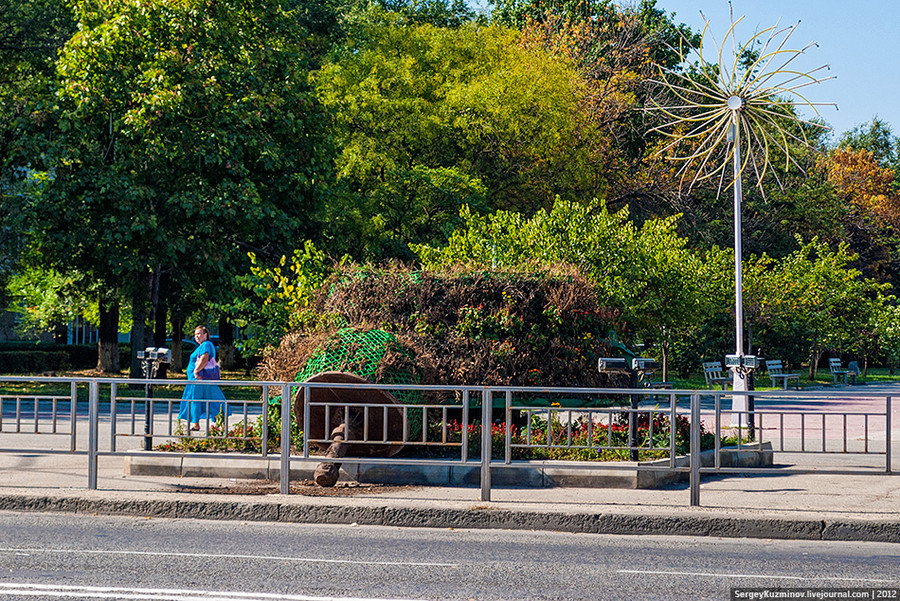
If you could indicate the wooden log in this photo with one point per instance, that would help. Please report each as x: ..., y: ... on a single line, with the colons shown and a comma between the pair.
x: 327, y: 473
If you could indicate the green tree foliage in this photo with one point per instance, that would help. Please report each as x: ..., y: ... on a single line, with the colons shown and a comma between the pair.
x: 517, y: 13
x: 441, y: 13
x: 812, y: 301
x: 878, y: 138
x: 886, y: 328
x: 431, y: 118
x: 613, y: 50
x: 281, y: 296
x: 184, y: 134
x: 45, y: 298
x: 31, y: 32
x: 662, y: 290
x: 322, y: 22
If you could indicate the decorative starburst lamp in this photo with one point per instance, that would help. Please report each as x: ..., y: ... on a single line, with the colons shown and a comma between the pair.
x: 739, y: 110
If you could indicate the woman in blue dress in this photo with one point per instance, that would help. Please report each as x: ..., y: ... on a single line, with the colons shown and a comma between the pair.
x: 201, y: 400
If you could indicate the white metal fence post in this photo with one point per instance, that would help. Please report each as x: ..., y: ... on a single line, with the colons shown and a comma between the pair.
x: 73, y: 395
x: 264, y: 451
x: 306, y: 395
x: 695, y: 449
x: 487, y: 403
x: 113, y: 392
x: 285, y: 439
x: 887, y: 436
x: 93, y: 432
x: 508, y: 438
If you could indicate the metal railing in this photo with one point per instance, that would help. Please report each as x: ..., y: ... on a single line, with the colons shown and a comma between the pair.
x: 529, y: 422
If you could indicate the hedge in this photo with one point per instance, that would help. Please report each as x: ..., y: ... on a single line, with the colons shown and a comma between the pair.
x: 33, y: 362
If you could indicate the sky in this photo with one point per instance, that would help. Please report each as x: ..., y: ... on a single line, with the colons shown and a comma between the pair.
x: 860, y: 39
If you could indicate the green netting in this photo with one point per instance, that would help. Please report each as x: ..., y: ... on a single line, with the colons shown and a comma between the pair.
x: 361, y: 352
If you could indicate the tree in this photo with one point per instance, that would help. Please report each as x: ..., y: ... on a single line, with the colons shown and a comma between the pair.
x: 441, y: 13
x: 282, y: 295
x: 430, y: 119
x: 878, y: 138
x: 871, y: 215
x: 662, y: 290
x: 887, y: 332
x: 185, y: 134
x: 859, y: 178
x: 612, y: 49
x: 811, y: 301
x: 47, y: 298
x: 31, y: 32
x: 517, y: 13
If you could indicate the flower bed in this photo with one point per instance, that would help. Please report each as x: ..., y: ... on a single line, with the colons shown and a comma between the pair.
x: 541, y: 438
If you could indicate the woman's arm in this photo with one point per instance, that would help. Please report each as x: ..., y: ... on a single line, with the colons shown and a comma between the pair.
x: 204, y: 357
x: 202, y: 360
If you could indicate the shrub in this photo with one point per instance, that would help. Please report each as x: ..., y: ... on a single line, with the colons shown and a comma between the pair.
x: 33, y: 362
x: 241, y: 437
x: 463, y: 327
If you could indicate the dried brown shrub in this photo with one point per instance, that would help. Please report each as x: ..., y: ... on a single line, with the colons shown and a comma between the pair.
x: 462, y: 326
x: 284, y: 362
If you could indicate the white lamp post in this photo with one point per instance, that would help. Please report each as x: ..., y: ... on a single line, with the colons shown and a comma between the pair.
x: 744, y: 103
x: 739, y: 379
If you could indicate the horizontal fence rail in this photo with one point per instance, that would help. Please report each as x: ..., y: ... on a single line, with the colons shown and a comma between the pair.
x: 466, y: 426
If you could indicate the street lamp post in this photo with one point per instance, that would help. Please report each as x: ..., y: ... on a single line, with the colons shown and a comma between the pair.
x: 739, y: 103
x: 739, y: 403
x: 151, y: 358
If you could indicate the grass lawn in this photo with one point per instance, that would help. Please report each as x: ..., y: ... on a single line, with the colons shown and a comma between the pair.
x: 824, y: 378
x: 235, y: 393
x: 693, y: 382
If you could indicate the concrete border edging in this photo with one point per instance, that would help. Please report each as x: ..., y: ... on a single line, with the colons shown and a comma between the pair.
x: 534, y: 474
x: 472, y: 518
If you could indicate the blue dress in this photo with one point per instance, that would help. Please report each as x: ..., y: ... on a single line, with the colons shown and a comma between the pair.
x: 195, y: 403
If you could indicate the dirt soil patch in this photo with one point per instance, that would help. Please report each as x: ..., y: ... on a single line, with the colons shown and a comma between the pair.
x: 301, y: 487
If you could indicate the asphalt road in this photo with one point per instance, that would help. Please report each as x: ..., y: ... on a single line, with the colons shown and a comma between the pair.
x: 50, y: 556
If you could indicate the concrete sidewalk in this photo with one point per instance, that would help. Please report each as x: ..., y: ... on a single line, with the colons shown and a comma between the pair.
x: 863, y: 506
x: 798, y: 506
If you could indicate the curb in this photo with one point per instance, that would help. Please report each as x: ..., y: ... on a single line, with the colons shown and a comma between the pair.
x: 473, y: 518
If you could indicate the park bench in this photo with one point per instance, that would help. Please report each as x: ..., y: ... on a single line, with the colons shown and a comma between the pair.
x: 837, y: 370
x: 834, y: 365
x: 776, y: 372
x: 853, y: 370
x: 715, y: 375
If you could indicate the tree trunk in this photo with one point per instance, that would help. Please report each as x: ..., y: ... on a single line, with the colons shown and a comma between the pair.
x: 664, y: 347
x: 160, y: 332
x: 61, y: 333
x: 108, y: 342
x: 153, y: 308
x: 814, y: 364
x: 177, y: 344
x: 140, y: 302
x: 226, y: 344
